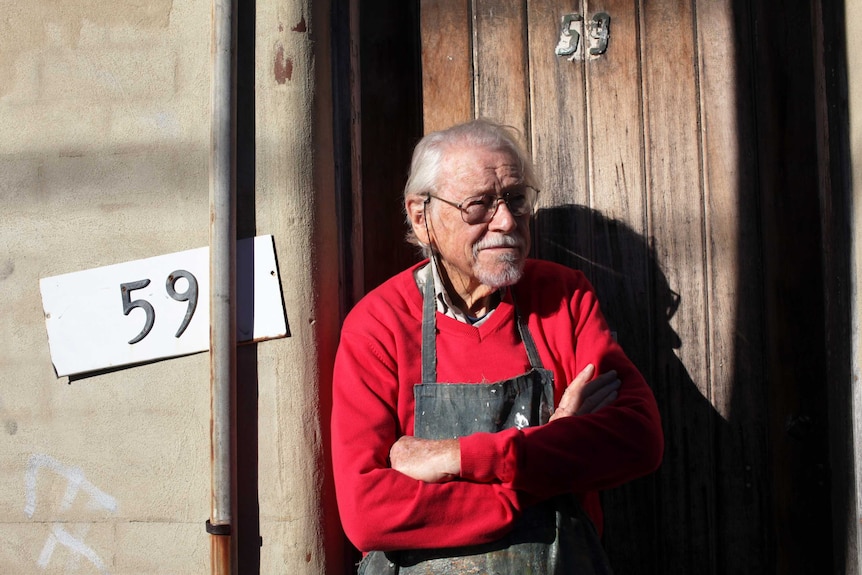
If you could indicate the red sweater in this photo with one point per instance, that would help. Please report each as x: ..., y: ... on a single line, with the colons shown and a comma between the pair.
x: 379, y: 361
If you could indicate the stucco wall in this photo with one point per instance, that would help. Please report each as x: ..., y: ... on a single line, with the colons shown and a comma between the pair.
x: 104, y: 139
x: 103, y: 159
x: 294, y: 201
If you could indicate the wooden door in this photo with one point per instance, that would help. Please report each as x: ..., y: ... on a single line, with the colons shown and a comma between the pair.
x: 679, y: 172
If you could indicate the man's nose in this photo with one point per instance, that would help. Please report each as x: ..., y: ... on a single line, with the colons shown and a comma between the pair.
x: 502, y: 220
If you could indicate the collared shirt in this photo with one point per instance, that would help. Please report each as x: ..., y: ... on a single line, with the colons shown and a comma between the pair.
x: 444, y: 302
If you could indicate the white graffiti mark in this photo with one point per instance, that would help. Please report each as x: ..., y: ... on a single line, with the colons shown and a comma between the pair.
x: 78, y: 547
x: 98, y: 500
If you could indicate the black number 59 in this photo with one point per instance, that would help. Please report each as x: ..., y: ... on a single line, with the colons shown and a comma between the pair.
x: 190, y: 295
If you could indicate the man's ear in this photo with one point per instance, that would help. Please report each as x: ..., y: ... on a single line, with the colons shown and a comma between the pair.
x: 416, y: 207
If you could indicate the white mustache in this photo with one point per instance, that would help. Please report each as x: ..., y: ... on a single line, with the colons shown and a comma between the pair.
x: 498, y: 241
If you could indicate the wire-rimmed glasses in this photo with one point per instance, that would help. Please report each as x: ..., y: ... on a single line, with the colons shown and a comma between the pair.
x: 480, y: 209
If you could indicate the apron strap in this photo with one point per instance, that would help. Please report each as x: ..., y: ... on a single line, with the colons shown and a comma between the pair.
x: 429, y: 334
x: 527, y: 337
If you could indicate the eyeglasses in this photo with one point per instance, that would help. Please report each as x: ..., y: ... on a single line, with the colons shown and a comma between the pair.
x: 481, y: 209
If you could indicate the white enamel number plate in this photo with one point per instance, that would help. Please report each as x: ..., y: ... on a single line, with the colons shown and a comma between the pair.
x: 155, y: 308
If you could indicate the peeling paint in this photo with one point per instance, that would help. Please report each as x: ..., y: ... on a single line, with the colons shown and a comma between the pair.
x: 300, y: 27
x: 282, y: 67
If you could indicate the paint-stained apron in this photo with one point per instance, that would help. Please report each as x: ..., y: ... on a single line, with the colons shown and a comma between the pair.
x: 554, y: 537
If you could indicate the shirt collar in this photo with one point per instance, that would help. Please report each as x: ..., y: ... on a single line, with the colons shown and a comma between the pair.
x: 443, y: 301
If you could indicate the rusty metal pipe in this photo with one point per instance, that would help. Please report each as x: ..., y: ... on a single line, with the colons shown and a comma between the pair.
x: 222, y: 279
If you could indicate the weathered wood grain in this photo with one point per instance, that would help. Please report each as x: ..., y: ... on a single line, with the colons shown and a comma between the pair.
x: 389, y: 57
x: 616, y: 173
x: 500, y: 62
x: 679, y: 171
x: 557, y: 111
x: 793, y: 286
x: 447, y: 63
x: 676, y: 222
x: 734, y: 296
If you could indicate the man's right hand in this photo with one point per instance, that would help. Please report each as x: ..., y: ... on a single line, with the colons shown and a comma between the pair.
x: 584, y: 396
x: 428, y: 460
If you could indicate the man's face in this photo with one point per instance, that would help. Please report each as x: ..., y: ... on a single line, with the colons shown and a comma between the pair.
x: 489, y: 254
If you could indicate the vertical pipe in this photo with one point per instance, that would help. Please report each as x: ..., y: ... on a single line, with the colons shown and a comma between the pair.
x: 222, y: 280
x: 853, y: 23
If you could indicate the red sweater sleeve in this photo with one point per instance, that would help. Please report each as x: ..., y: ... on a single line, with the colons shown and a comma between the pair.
x: 382, y: 509
x: 577, y: 454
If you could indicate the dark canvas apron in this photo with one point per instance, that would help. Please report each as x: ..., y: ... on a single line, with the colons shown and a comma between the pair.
x: 554, y: 537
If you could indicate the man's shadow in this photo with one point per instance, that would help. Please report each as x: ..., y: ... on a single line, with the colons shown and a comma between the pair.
x: 668, y: 520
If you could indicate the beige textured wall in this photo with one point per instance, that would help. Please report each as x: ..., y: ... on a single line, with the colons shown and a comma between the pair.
x: 298, y: 524
x: 103, y: 159
x: 104, y: 137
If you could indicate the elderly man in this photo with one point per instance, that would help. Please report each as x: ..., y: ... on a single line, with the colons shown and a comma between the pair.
x: 480, y: 401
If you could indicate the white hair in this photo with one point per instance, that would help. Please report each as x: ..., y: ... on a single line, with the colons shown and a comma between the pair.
x: 431, y: 150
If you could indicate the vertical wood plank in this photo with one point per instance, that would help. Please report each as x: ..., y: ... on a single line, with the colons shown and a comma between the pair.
x: 793, y: 282
x: 558, y: 140
x: 447, y: 63
x: 616, y: 175
x: 676, y: 217
x: 500, y: 60
x: 625, y: 263
x: 734, y: 296
x: 836, y: 205
x: 391, y: 126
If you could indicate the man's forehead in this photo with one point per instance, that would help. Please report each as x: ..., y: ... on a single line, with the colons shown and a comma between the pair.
x: 480, y: 166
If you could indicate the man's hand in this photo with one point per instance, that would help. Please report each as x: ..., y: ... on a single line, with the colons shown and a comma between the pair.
x: 584, y: 396
x: 429, y: 460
